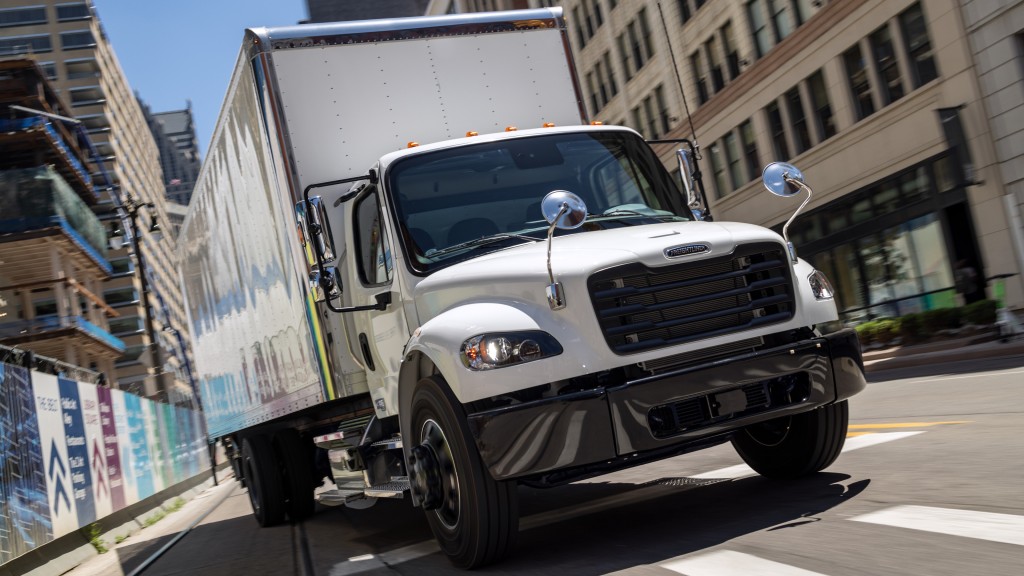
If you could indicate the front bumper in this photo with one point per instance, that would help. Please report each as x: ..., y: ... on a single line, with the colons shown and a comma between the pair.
x: 603, y: 429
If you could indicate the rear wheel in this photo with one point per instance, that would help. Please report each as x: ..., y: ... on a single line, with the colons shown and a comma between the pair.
x: 474, y: 517
x: 793, y: 446
x: 296, y: 458
x: 263, y: 479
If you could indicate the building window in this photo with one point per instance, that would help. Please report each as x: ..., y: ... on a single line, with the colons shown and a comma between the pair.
x: 734, y: 160
x: 578, y: 22
x: 22, y: 16
x: 778, y: 131
x: 595, y: 102
x: 824, y: 123
x: 890, y: 86
x: 750, y: 156
x: 860, y: 85
x: 758, y: 27
x: 34, y: 44
x: 50, y: 69
x: 732, y: 56
x: 684, y: 11
x: 718, y: 170
x: 663, y: 114
x: 638, y: 121
x: 803, y: 10
x: 627, y: 66
x: 700, y: 81
x: 919, y: 47
x: 714, y: 65
x: 782, y: 24
x: 608, y: 73
x: 76, y: 39
x: 652, y: 118
x: 798, y: 120
x: 69, y: 12
x: 121, y: 296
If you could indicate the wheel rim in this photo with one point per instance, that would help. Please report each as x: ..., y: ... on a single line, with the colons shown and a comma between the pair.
x: 770, y: 433
x: 448, y: 513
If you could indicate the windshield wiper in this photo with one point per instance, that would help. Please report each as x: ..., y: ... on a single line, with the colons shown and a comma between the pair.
x: 477, y: 242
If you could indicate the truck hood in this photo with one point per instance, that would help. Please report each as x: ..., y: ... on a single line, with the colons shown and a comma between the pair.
x: 518, y: 275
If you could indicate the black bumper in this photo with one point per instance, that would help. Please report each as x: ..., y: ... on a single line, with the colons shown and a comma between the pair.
x: 603, y: 429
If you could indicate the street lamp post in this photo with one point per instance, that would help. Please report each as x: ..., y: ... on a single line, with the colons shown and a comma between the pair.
x: 132, y: 206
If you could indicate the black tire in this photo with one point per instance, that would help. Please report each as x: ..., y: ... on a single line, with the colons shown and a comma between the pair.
x: 794, y: 446
x: 296, y: 457
x: 480, y: 524
x: 263, y: 478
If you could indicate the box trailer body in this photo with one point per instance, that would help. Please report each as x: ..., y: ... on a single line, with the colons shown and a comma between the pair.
x: 407, y: 246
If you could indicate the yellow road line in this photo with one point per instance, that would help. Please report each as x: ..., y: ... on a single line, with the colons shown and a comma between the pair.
x: 903, y: 425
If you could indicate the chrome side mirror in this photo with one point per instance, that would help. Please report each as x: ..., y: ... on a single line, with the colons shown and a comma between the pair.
x: 685, y: 159
x: 786, y: 180
x: 314, y: 228
x: 564, y: 210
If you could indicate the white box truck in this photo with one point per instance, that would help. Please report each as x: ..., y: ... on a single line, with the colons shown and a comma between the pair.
x: 412, y: 266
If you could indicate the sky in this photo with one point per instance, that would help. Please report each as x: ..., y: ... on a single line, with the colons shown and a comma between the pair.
x: 180, y: 50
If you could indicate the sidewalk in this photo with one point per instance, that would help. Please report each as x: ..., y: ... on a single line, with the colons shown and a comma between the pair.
x: 971, y: 348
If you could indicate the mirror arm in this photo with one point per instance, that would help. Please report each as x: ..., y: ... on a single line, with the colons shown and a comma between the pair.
x: 383, y: 299
x: 785, y: 228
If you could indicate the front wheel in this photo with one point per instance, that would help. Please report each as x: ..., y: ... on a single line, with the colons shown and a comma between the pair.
x: 793, y: 446
x: 474, y: 517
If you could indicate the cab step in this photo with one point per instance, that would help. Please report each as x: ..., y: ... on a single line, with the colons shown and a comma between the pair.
x: 354, y: 490
x: 348, y: 432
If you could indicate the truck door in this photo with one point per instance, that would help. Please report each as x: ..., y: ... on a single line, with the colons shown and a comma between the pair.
x: 377, y: 337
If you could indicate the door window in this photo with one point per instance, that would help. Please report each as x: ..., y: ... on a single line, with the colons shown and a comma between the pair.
x: 373, y: 250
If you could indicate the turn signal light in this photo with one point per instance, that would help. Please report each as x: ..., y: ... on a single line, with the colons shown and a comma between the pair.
x: 596, y: 123
x: 510, y: 128
x: 412, y: 144
x: 548, y: 125
x: 472, y: 133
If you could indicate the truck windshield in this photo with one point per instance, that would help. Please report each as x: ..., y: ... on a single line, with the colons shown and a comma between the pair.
x: 458, y: 203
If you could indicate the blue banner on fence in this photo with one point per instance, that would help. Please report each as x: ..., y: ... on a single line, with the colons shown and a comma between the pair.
x: 72, y: 453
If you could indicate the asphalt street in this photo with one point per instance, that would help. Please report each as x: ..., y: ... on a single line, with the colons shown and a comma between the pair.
x: 929, y: 483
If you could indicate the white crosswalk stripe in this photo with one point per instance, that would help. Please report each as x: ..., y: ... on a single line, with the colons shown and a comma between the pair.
x: 742, y: 470
x: 1006, y: 528
x: 728, y: 563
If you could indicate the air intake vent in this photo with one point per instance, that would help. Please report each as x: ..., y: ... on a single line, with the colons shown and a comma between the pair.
x: 641, y: 308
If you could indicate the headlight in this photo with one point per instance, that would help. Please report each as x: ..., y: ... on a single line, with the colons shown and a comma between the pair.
x: 498, y: 350
x: 820, y: 286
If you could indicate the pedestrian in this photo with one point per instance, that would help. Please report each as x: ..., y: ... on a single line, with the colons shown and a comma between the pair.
x: 966, y: 281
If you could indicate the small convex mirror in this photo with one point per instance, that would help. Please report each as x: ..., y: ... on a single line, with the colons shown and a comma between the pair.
x: 575, y: 209
x: 774, y: 178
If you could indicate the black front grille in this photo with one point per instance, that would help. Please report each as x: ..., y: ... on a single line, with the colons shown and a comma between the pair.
x: 697, y: 412
x: 641, y: 308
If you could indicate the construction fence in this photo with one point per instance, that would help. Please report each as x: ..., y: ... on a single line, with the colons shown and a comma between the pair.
x: 72, y: 453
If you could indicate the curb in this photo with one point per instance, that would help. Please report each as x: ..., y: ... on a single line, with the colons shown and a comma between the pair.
x: 908, y: 358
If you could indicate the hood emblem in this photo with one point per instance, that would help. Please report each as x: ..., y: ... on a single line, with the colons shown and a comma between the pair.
x: 686, y: 250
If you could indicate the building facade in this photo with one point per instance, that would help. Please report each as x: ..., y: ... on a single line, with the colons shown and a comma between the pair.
x: 53, y: 248
x: 175, y: 135
x: 346, y: 10
x: 912, y: 149
x: 68, y: 42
